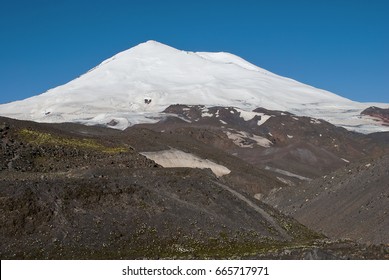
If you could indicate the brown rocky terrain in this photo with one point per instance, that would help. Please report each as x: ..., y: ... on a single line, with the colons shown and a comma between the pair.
x: 380, y: 114
x: 352, y: 202
x: 69, y: 191
x: 289, y: 148
x: 73, y: 191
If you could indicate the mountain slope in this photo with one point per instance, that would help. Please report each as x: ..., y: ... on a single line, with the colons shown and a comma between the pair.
x: 136, y: 85
x: 69, y: 191
x: 352, y: 202
x: 283, y: 162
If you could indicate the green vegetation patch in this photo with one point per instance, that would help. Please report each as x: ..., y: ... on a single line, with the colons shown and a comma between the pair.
x: 41, y: 138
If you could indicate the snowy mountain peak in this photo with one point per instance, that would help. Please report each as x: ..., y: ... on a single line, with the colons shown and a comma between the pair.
x: 137, y: 84
x: 153, y: 43
x: 153, y: 46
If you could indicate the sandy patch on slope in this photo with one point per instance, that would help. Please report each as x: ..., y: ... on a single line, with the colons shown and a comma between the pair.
x: 177, y: 158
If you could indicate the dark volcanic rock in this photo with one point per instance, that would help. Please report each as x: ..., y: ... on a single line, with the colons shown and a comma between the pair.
x: 378, y: 113
x: 304, y: 147
x: 68, y: 191
x: 128, y: 211
x: 71, y: 191
x: 352, y: 202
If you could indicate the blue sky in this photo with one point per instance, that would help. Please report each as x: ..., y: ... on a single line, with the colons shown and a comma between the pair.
x: 341, y: 46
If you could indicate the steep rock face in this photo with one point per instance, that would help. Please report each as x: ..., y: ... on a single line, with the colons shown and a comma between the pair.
x: 380, y: 114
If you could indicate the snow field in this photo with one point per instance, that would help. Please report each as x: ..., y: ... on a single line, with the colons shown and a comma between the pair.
x: 177, y: 158
x: 135, y: 85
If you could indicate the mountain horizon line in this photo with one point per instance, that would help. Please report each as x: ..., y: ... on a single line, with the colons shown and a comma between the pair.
x: 116, y: 89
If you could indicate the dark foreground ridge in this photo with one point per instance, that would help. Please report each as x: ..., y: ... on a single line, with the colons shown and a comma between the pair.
x: 69, y: 191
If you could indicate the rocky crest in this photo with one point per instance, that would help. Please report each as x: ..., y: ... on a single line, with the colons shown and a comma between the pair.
x: 377, y: 113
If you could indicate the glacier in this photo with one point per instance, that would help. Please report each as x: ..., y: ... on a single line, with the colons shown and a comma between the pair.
x: 136, y: 85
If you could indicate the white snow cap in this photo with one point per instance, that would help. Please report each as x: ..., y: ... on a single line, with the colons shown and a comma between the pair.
x: 135, y: 85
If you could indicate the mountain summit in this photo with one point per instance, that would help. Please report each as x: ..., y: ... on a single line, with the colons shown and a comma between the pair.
x: 136, y: 85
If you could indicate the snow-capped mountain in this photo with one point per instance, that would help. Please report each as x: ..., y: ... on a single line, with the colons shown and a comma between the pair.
x: 136, y: 85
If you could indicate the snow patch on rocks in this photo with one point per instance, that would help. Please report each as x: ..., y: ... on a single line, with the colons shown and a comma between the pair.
x: 177, y: 158
x: 242, y: 139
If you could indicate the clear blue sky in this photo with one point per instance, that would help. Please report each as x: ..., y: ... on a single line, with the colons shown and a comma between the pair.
x: 341, y: 46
